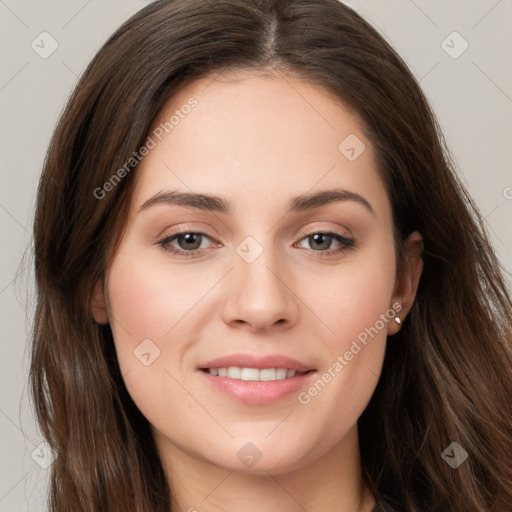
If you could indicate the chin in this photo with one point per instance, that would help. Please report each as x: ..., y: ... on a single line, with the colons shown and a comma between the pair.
x: 259, y: 458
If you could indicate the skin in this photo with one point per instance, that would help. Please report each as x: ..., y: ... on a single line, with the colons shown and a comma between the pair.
x: 257, y: 142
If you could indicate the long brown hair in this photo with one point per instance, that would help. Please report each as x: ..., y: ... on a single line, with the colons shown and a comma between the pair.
x: 447, y: 375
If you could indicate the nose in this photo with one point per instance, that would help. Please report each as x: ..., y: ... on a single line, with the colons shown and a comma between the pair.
x: 259, y: 295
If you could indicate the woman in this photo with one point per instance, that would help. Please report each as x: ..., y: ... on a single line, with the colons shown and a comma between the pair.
x: 260, y: 284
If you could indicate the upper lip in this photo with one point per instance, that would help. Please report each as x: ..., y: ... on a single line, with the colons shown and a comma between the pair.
x: 259, y: 362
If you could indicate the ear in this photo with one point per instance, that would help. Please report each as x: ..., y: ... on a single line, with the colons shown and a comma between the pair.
x: 407, y: 279
x: 98, y: 304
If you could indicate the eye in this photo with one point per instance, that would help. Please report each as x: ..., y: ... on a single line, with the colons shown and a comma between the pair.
x: 321, y: 240
x: 186, y: 243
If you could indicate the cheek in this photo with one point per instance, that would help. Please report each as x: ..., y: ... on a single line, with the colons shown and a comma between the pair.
x: 351, y: 297
x: 354, y: 303
x: 152, y: 317
x: 148, y: 301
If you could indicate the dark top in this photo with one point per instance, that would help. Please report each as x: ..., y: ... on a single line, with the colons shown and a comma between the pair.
x: 385, y: 508
x: 387, y: 504
x: 378, y: 508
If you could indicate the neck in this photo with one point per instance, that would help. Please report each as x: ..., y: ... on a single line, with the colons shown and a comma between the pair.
x: 330, y: 482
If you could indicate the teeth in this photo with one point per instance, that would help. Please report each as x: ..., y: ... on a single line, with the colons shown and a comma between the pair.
x: 247, y: 373
x: 281, y: 373
x: 265, y: 374
x: 268, y: 374
x: 234, y: 372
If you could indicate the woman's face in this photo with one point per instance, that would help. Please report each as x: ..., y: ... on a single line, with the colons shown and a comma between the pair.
x: 244, y: 278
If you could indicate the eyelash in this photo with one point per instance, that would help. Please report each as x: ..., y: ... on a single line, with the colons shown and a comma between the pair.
x: 347, y: 243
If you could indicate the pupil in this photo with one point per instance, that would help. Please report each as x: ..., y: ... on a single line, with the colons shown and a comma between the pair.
x: 190, y: 238
x: 319, y: 237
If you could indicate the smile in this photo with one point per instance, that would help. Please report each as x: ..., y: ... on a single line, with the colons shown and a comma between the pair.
x: 253, y: 386
x: 264, y: 374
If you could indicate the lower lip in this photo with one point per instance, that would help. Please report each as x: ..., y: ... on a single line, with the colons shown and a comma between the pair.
x: 258, y: 392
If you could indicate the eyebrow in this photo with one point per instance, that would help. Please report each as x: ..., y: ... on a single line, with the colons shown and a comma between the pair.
x: 220, y: 205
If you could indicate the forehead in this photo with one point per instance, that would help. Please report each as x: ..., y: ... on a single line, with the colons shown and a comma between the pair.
x: 270, y: 137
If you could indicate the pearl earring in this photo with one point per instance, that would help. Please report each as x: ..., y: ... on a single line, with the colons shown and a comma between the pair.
x: 397, y: 320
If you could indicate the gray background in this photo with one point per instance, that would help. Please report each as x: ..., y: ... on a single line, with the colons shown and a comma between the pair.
x: 471, y: 94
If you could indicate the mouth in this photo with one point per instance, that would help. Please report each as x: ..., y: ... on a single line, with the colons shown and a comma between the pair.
x: 255, y: 374
x: 256, y: 380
